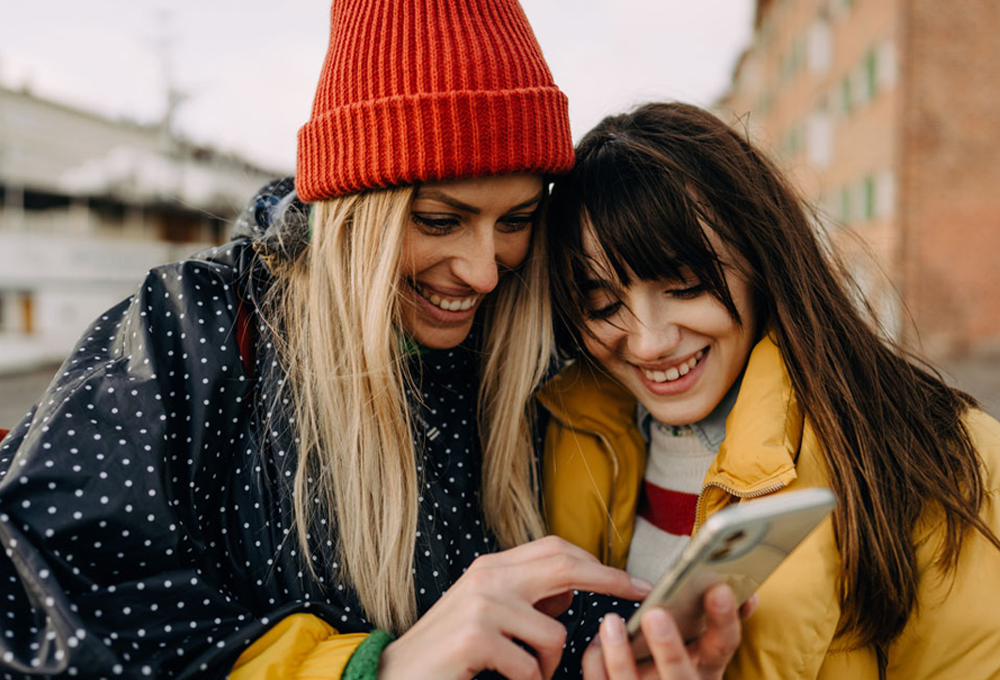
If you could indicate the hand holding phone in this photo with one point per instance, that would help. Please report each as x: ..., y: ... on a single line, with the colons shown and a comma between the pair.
x: 741, y: 546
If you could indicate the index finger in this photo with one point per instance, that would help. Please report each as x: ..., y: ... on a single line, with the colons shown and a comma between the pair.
x: 559, y: 573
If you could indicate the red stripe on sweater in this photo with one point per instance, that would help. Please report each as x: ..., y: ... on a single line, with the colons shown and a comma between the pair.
x: 668, y: 510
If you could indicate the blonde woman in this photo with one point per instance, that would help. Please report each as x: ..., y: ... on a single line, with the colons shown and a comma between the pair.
x: 292, y: 456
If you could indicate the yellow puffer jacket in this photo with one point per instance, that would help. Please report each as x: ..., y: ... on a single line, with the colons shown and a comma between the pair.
x: 594, y: 462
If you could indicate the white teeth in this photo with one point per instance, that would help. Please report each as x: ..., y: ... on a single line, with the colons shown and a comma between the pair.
x: 674, y: 372
x: 462, y: 304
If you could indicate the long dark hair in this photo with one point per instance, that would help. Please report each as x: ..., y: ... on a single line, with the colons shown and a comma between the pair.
x: 892, y: 430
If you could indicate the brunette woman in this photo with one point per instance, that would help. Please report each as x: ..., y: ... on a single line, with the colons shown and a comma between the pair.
x: 693, y: 282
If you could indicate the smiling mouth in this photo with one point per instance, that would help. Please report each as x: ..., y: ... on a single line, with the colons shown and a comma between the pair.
x: 674, y: 372
x: 448, y: 304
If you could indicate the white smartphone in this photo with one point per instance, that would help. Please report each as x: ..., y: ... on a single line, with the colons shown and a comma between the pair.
x: 740, y: 545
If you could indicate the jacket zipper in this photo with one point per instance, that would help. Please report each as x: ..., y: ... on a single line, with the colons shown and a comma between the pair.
x: 731, y: 492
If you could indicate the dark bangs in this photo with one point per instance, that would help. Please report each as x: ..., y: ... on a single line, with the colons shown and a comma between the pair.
x: 646, y: 216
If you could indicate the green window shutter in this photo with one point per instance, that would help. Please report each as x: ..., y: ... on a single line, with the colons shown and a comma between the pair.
x: 871, y: 73
x: 869, y: 196
x: 845, y: 205
x: 845, y: 94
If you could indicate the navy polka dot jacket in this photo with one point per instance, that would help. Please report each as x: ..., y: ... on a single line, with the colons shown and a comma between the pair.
x: 145, y: 502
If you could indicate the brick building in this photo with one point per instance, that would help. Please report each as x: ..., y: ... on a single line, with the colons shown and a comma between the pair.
x: 887, y: 114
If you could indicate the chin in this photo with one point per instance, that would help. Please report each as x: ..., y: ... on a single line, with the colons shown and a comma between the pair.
x: 441, y: 338
x: 678, y: 414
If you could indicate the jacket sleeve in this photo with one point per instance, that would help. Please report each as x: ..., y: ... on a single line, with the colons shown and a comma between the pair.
x: 792, y: 631
x: 111, y: 542
x: 576, y: 488
x: 299, y: 647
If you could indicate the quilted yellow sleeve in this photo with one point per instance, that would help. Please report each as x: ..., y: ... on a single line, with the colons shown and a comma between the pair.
x: 299, y: 647
x: 576, y: 484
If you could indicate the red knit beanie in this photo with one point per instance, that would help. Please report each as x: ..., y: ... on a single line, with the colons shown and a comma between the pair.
x: 422, y: 90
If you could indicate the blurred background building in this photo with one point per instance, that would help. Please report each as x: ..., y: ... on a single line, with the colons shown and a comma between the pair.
x: 887, y: 114
x: 87, y: 205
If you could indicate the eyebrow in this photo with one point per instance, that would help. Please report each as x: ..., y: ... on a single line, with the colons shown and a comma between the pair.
x: 438, y: 195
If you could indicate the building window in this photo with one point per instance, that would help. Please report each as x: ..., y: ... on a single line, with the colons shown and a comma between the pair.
x: 885, y: 194
x: 819, y: 47
x: 819, y: 139
x: 886, y: 64
x: 17, y: 312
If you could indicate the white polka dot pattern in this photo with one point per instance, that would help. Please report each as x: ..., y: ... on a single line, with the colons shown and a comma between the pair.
x: 145, y: 508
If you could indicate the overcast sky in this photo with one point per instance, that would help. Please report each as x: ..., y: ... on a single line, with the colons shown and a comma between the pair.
x: 249, y: 67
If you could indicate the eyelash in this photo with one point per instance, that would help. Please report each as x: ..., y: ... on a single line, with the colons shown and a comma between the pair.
x: 608, y: 311
x: 687, y: 293
x: 603, y: 313
x: 442, y: 226
x: 516, y: 223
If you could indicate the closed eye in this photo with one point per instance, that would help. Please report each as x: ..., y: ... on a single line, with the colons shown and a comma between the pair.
x: 603, y: 313
x: 688, y: 293
x: 514, y: 223
x: 437, y: 225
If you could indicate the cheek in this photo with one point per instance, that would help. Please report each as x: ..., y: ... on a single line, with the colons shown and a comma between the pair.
x: 511, y: 249
x: 418, y: 253
x: 598, y: 339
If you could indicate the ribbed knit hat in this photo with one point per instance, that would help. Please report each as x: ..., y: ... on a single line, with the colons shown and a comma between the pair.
x: 422, y: 90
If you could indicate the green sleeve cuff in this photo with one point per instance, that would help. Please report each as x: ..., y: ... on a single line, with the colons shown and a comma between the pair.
x: 363, y: 664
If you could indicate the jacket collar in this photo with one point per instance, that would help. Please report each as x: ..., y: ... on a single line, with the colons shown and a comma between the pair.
x: 583, y: 397
x: 763, y: 430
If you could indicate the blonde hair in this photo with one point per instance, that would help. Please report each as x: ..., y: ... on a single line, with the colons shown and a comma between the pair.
x: 347, y: 372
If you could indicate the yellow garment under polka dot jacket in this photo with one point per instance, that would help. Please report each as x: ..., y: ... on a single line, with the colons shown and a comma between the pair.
x: 593, y: 471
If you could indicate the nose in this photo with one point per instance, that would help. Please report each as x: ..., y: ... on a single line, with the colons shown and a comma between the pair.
x: 476, y: 262
x: 651, y: 339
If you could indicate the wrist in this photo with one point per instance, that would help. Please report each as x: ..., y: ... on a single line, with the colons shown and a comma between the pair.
x: 364, y: 663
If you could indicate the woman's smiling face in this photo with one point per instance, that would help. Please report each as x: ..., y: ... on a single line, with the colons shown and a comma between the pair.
x: 671, y: 343
x: 464, y: 235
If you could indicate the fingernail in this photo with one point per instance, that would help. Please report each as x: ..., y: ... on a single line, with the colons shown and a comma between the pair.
x: 656, y: 625
x: 642, y: 585
x: 721, y: 600
x: 613, y: 628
